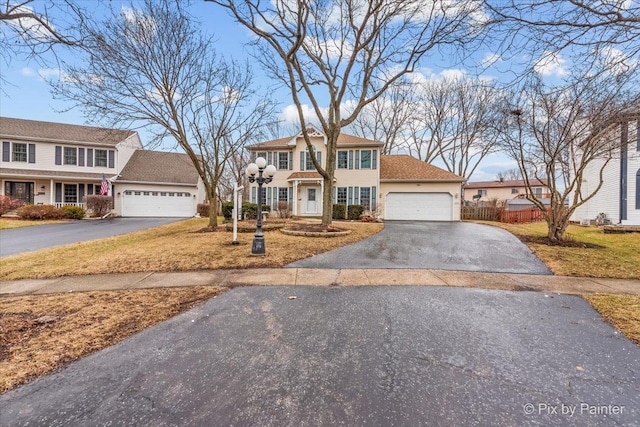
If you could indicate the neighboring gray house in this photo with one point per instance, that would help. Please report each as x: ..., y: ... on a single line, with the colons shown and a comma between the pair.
x: 58, y: 164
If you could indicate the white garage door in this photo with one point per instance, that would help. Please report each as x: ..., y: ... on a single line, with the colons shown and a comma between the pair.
x: 158, y: 204
x: 419, y: 206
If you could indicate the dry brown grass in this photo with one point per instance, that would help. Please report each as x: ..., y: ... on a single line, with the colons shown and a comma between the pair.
x: 616, y: 256
x: 6, y: 224
x: 40, y: 333
x: 623, y: 311
x: 173, y: 247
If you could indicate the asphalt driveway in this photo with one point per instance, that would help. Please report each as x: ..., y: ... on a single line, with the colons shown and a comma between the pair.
x: 27, y: 239
x: 434, y: 245
x: 352, y: 356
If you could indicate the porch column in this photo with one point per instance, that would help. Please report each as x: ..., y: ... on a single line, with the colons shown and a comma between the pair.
x: 52, y: 192
x: 295, y: 197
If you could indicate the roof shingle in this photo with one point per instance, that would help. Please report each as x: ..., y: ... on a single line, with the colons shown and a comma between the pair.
x: 407, y: 168
x: 48, y: 131
x: 343, y: 139
x: 503, y: 184
x: 159, y: 166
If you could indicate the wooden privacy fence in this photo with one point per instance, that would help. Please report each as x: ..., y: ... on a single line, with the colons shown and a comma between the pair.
x: 498, y: 213
x: 524, y: 215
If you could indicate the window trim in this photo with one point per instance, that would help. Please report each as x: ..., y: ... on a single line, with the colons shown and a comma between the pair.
x: 13, y: 152
x: 95, y: 158
x: 346, y: 159
x: 338, y: 198
x: 370, y: 159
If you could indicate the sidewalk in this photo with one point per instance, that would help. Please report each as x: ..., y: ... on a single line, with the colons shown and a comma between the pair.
x: 322, y: 277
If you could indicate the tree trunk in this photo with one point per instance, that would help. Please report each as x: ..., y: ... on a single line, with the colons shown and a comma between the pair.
x: 213, y: 208
x: 327, y: 202
x: 557, y: 225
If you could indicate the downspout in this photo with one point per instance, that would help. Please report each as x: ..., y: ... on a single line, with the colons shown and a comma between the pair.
x: 624, y: 140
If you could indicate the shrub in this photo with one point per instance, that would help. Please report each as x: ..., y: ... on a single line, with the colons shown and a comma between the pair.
x: 98, y: 205
x: 249, y: 210
x: 73, y: 212
x: 7, y: 204
x: 339, y: 211
x: 354, y: 212
x: 284, y: 210
x: 205, y: 208
x: 40, y: 212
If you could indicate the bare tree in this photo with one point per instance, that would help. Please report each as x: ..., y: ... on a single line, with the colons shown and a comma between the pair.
x: 151, y: 66
x: 454, y: 121
x: 555, y: 132
x: 509, y: 175
x: 387, y: 118
x: 29, y: 33
x: 348, y: 52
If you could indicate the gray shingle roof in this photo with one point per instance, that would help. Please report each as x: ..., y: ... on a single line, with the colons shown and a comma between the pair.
x: 159, y: 166
x: 58, y: 132
x: 402, y: 167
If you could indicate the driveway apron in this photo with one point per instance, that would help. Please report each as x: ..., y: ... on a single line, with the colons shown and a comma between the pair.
x: 354, y: 356
x: 434, y: 245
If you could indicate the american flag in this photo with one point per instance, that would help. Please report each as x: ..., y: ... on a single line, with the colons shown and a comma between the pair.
x: 104, y: 187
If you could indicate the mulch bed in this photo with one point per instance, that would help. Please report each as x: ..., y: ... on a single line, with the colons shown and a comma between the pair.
x: 568, y: 243
x: 314, y: 228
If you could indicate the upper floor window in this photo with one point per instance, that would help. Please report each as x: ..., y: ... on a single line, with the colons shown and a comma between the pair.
x: 482, y: 192
x: 343, y: 160
x: 365, y: 159
x: 283, y: 160
x: 70, y: 156
x: 537, y: 191
x: 305, y: 160
x: 101, y: 158
x: 514, y: 191
x: 19, y: 152
x: 262, y: 154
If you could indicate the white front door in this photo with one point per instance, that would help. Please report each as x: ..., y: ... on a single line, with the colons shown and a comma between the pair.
x: 312, y: 206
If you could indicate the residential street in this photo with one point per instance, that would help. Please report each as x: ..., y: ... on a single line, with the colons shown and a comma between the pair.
x: 27, y: 239
x: 354, y: 356
x: 460, y: 246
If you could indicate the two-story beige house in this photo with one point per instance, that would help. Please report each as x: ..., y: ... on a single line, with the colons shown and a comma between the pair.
x: 390, y: 187
x: 59, y: 164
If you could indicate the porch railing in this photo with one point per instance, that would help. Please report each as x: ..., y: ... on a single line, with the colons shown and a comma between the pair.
x: 61, y: 204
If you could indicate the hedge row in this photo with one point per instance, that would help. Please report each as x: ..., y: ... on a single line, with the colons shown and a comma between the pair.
x: 42, y: 212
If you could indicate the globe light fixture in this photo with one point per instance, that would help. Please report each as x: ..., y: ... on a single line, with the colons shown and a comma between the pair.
x: 264, y: 176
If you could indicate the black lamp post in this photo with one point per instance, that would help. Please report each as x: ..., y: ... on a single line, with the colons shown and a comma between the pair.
x: 260, y: 168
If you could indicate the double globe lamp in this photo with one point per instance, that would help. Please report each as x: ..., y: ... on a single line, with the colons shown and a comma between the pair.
x: 264, y: 176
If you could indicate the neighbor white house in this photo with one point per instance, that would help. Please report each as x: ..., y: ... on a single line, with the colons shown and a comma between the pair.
x: 619, y: 196
x: 58, y: 164
x: 392, y: 187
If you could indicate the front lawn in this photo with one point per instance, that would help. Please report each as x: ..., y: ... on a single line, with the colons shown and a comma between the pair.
x: 174, y: 247
x: 623, y: 311
x: 605, y: 255
x: 6, y: 224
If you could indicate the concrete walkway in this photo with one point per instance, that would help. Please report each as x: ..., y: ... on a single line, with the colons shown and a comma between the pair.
x: 323, y: 277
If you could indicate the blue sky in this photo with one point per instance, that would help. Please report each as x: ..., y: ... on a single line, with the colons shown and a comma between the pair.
x: 26, y: 93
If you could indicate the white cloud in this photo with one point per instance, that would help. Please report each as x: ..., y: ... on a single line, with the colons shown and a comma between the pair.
x: 47, y: 73
x: 616, y: 60
x: 289, y: 114
x: 551, y: 64
x: 28, y: 72
x: 490, y: 59
x: 31, y: 26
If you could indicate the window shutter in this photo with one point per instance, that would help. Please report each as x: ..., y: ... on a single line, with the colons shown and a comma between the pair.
x: 290, y: 195
x: 80, y: 156
x: 32, y: 153
x: 252, y: 157
x: 356, y: 195
x: 112, y: 159
x: 374, y: 198
x: 58, y: 155
x: 350, y: 159
x: 302, y: 160
x: 58, y: 192
x: 290, y: 160
x: 6, y: 151
x: 269, y: 158
x: 335, y: 194
x: 253, y: 195
x: 374, y: 159
x: 319, y: 158
x: 80, y: 193
x: 350, y: 196
x: 90, y: 157
x: 269, y: 198
x: 357, y: 159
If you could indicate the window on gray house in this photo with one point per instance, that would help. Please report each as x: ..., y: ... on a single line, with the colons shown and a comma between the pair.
x: 365, y: 197
x: 341, y: 196
x: 70, y: 156
x: 365, y: 159
x: 343, y: 160
x: 19, y: 152
x: 101, y: 158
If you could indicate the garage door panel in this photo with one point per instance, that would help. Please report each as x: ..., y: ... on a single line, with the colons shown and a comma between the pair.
x: 419, y: 206
x: 157, y: 204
